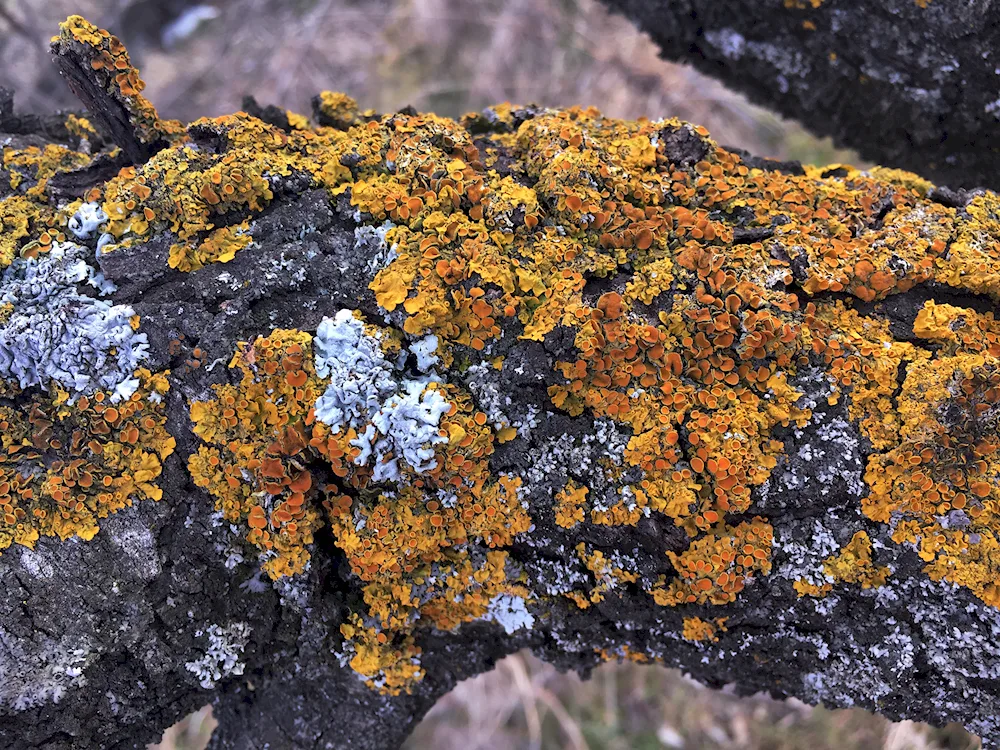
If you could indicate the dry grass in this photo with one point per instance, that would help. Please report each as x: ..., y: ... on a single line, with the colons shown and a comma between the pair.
x: 525, y: 704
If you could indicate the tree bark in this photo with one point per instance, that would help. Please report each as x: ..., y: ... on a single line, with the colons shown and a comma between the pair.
x: 837, y: 314
x: 906, y: 84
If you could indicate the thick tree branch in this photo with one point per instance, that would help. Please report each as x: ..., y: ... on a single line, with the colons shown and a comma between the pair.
x: 907, y: 84
x: 315, y: 421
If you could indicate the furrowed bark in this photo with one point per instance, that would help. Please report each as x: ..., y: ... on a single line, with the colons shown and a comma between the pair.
x: 906, y: 84
x: 799, y: 326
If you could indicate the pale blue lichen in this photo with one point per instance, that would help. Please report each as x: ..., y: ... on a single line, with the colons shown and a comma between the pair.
x: 404, y: 428
x: 222, y: 657
x: 424, y: 350
x: 87, y: 220
x: 396, y: 417
x: 55, y: 332
x: 360, y: 376
x: 510, y: 613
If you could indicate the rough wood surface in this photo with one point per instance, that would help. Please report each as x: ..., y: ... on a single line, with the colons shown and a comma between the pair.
x: 907, y: 84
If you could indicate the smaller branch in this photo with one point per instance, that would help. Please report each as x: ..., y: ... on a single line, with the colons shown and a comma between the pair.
x: 97, y: 68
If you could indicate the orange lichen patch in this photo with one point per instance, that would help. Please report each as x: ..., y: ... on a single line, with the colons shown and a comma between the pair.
x: 109, y: 60
x: 958, y: 329
x: 903, y: 179
x: 716, y: 566
x: 697, y: 630
x: 428, y: 548
x: 30, y: 220
x: 338, y: 110
x: 853, y: 564
x: 390, y: 667
x: 80, y: 127
x: 411, y: 536
x: 690, y: 375
x: 255, y: 441
x: 863, y: 359
x: 65, y: 465
x: 19, y: 215
x: 220, y: 246
x: 805, y: 587
x: 39, y: 164
x: 973, y: 259
x: 609, y: 572
x: 704, y: 386
x: 569, y: 502
x: 185, y: 190
x: 625, y: 652
x: 940, y: 483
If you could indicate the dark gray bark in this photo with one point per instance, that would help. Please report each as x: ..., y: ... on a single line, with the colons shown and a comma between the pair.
x: 906, y: 86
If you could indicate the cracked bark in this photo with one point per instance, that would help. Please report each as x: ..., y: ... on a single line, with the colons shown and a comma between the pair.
x: 906, y: 86
x: 102, y: 630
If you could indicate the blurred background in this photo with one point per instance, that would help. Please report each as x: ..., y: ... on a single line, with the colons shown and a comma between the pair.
x: 453, y: 56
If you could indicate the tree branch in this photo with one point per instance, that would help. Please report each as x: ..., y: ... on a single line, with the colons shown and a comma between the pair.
x: 906, y: 84
x: 315, y: 421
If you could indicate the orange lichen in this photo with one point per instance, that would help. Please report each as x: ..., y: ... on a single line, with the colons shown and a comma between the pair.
x: 412, y: 537
x: 80, y: 127
x: 703, y: 384
x: 609, y: 573
x: 39, y: 164
x: 262, y: 442
x: 716, y: 566
x: 973, y: 259
x: 18, y: 214
x: 256, y: 438
x: 940, y: 482
x: 64, y: 465
x: 569, y: 504
x: 338, y: 110
x: 186, y: 190
x: 389, y: 667
x: 220, y: 246
x: 853, y: 564
x: 958, y: 329
x: 697, y: 630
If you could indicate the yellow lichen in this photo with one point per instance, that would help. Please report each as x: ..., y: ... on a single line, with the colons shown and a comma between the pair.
x: 65, y: 465
x: 608, y: 573
x: 569, y: 504
x: 109, y: 61
x: 973, y: 259
x: 853, y: 564
x: 945, y: 466
x: 696, y: 629
x: 255, y: 439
